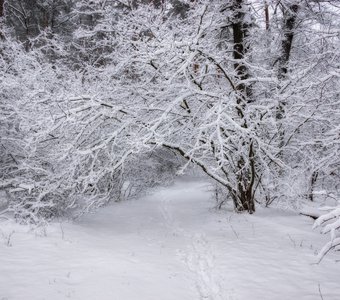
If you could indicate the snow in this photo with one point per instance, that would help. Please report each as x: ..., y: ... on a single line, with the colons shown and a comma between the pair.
x: 169, y: 245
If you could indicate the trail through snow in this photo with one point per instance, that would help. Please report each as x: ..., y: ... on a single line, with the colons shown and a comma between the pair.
x: 171, y: 245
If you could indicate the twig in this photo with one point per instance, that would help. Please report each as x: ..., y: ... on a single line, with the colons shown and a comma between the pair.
x: 62, y: 231
x: 234, y: 231
x: 320, y: 292
x: 292, y: 240
x: 314, y: 217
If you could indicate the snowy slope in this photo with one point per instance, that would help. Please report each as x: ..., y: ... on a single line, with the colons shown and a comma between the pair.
x: 171, y: 245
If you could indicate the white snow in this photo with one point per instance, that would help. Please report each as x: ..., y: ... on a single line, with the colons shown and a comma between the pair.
x: 170, y: 245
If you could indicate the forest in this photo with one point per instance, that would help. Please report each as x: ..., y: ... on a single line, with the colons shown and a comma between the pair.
x: 104, y: 100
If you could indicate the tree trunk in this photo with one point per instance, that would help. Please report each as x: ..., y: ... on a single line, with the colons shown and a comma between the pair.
x: 313, y: 180
x: 240, y: 33
x: 1, y: 8
x: 288, y: 27
x: 289, y: 24
x: 243, y: 195
x: 266, y: 13
x: 2, y: 16
x: 245, y: 167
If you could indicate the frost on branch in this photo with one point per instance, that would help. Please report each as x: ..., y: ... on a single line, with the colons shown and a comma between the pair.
x: 330, y: 223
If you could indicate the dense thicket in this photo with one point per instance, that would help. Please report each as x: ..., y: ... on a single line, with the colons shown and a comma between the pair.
x: 100, y: 99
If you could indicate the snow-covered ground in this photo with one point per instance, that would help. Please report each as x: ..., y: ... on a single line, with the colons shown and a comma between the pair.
x: 171, y: 245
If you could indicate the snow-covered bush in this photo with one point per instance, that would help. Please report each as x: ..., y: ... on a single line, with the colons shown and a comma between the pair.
x: 65, y: 147
x: 27, y: 168
x: 330, y: 223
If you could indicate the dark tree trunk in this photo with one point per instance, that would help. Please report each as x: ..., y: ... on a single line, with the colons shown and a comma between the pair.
x: 240, y: 33
x: 245, y: 169
x: 266, y: 13
x: 289, y: 23
x: 313, y: 180
x: 2, y: 15
x: 2, y: 9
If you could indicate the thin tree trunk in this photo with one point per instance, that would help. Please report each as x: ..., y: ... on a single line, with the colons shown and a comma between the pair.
x: 313, y: 180
x: 266, y: 13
